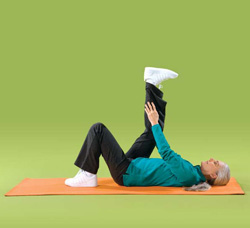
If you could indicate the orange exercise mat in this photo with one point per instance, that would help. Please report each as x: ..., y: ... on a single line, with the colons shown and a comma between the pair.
x: 106, y: 186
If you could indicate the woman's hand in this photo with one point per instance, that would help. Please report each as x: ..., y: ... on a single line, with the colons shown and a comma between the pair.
x: 153, y: 115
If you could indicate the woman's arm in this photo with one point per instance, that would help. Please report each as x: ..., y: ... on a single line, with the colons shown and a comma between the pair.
x: 162, y: 145
x: 180, y: 167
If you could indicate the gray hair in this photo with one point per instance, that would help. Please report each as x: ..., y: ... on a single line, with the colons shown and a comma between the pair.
x: 223, y: 177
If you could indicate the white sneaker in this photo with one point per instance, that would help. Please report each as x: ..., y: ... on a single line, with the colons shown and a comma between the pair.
x: 157, y: 75
x: 82, y: 180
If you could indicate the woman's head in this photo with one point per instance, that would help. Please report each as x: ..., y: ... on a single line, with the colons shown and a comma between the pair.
x: 222, y: 176
x: 211, y: 167
x: 216, y: 172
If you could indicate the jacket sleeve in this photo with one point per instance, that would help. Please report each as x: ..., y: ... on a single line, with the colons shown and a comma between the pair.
x: 163, y: 147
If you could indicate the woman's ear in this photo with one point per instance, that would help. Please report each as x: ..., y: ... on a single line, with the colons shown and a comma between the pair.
x: 213, y: 176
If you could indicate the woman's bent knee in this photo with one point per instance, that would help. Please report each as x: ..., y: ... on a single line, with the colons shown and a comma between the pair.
x: 98, y: 126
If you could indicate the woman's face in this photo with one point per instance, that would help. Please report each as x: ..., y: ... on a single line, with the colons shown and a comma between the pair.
x: 211, y: 167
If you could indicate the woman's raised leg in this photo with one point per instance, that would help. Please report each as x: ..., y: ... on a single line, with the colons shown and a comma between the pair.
x: 100, y: 141
x: 145, y: 143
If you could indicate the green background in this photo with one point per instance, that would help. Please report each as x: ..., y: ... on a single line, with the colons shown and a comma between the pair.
x: 66, y: 65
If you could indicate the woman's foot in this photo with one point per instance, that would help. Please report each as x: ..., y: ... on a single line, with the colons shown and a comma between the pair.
x: 82, y: 179
x: 157, y: 75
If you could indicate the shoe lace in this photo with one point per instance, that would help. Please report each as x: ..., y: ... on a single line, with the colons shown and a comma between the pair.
x: 79, y: 179
x: 82, y: 178
x: 78, y: 172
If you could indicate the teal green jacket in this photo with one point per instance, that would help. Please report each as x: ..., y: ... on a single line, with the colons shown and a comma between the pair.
x: 171, y: 170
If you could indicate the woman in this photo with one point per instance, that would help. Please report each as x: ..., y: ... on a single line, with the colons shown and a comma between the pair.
x: 135, y: 168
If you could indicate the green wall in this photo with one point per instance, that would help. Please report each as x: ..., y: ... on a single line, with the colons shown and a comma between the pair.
x: 66, y: 65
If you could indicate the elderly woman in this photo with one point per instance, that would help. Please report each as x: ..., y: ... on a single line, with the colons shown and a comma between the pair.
x: 135, y: 168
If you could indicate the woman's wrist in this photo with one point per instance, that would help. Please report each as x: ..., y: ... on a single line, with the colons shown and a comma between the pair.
x: 154, y: 123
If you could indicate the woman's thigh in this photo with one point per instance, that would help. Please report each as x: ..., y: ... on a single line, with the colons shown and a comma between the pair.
x: 143, y: 146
